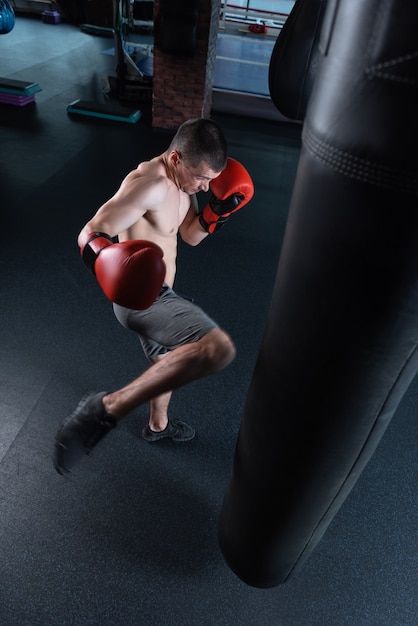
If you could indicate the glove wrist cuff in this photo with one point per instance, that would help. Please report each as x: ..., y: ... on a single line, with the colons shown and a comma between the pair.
x: 212, y: 227
x: 93, y: 246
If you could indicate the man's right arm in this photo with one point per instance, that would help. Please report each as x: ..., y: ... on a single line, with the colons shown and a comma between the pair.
x: 130, y: 273
x: 134, y: 198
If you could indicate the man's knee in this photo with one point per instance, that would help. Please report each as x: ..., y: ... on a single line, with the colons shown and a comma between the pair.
x: 219, y: 348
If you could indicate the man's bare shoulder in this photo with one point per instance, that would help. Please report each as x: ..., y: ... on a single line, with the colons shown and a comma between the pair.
x: 152, y: 170
x: 149, y: 178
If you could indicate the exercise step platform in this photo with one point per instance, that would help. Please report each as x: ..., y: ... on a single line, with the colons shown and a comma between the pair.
x: 15, y: 100
x: 18, y: 87
x: 107, y: 111
x: 101, y: 31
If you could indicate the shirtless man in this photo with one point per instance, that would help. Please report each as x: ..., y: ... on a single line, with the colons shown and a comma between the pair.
x: 154, y: 204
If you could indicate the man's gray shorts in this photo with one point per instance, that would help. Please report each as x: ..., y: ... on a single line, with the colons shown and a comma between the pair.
x: 171, y: 321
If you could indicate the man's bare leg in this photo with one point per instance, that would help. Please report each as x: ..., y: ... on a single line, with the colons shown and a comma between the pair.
x: 183, y: 365
x: 99, y: 412
x: 158, y: 414
x: 159, y: 425
x: 158, y: 406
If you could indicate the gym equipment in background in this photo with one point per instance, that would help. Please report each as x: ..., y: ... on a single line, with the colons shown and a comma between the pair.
x: 177, y: 27
x: 17, y: 92
x: 109, y: 111
x: 7, y: 17
x: 295, y: 57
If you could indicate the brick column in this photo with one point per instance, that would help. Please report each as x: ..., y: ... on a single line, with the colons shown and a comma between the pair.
x: 182, y: 85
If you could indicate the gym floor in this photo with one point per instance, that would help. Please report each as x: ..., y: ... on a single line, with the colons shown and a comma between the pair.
x: 131, y: 537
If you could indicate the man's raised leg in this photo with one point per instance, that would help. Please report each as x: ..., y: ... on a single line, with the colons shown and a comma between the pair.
x: 98, y: 413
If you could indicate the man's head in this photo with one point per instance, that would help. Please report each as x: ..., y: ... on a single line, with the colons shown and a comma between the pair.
x: 198, y: 154
x: 200, y: 140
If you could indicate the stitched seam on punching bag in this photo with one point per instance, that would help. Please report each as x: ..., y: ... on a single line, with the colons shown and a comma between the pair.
x: 360, y: 169
x: 386, y: 69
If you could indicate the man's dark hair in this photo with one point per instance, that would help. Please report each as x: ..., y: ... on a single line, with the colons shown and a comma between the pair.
x: 200, y: 140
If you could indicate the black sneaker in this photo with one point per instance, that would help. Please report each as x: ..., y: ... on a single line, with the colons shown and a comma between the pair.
x: 175, y: 430
x: 81, y: 432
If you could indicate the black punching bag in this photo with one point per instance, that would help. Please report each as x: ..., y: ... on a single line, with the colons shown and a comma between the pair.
x: 177, y: 27
x: 294, y: 60
x: 340, y: 345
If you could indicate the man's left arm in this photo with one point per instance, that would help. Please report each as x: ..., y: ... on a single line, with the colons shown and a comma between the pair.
x: 230, y: 191
x: 190, y: 229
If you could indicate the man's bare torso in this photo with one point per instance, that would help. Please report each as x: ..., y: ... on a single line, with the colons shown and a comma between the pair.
x: 168, y: 207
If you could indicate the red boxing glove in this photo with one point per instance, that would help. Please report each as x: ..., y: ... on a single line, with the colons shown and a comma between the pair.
x: 130, y: 273
x: 231, y: 190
